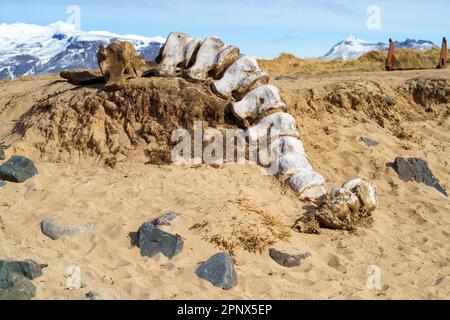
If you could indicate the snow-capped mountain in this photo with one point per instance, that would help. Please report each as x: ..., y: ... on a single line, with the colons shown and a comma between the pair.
x: 27, y: 49
x: 352, y: 48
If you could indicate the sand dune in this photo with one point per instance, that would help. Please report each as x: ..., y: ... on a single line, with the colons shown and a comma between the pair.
x: 409, y: 239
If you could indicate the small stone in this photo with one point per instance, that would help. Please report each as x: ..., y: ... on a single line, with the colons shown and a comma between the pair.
x: 418, y: 170
x: 165, y: 219
x: 17, y: 169
x: 2, y: 153
x: 27, y: 268
x: 389, y: 100
x: 92, y: 295
x: 341, y: 245
x: 219, y: 270
x: 335, y: 263
x: 52, y: 230
x: 152, y: 241
x: 55, y: 231
x: 14, y: 286
x: 286, y: 78
x: 2, y: 183
x: 286, y: 259
x: 369, y: 142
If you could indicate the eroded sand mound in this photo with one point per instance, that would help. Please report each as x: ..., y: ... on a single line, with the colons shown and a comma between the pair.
x: 112, y: 125
x: 389, y: 103
x: 139, y: 120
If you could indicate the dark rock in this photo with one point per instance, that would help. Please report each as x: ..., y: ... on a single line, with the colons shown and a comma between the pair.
x: 219, y: 270
x: 14, y: 286
x: 286, y: 259
x: 2, y: 183
x: 2, y: 153
x: 417, y: 170
x: 28, y: 268
x: 92, y: 295
x: 153, y: 241
x: 165, y: 219
x: 369, y: 142
x: 17, y: 169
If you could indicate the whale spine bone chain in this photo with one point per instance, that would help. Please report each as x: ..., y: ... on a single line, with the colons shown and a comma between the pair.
x: 239, y: 79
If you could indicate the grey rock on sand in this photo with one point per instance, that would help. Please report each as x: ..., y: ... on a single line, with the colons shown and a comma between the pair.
x: 286, y: 259
x: 92, y: 295
x: 389, y: 100
x: 369, y: 142
x: 418, y: 170
x: 55, y: 231
x: 2, y: 153
x: 27, y: 268
x: 153, y: 240
x: 14, y: 286
x: 15, y: 279
x: 219, y: 270
x: 17, y: 169
x: 2, y: 183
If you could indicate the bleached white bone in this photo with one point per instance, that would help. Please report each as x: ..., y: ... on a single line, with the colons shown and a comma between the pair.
x: 174, y: 53
x: 365, y: 190
x: 281, y: 146
x: 228, y: 56
x: 291, y: 164
x: 308, y: 184
x: 206, y: 59
x: 257, y: 101
x: 240, y: 76
x: 276, y: 124
x: 349, y: 197
x: 190, y: 52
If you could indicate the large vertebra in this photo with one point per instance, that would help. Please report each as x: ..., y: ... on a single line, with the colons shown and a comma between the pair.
x: 276, y: 124
x: 117, y: 60
x: 177, y: 53
x: 239, y: 78
x: 206, y: 59
x: 258, y: 101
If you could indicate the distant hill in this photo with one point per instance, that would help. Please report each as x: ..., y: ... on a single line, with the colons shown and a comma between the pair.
x: 352, y: 48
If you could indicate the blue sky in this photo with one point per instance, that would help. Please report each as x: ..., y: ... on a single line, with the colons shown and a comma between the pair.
x: 306, y: 28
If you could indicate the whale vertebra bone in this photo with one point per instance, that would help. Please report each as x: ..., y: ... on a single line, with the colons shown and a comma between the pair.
x: 258, y: 101
x: 117, y: 60
x: 206, y: 60
x: 308, y: 185
x: 276, y: 124
x: 239, y: 78
x: 177, y: 53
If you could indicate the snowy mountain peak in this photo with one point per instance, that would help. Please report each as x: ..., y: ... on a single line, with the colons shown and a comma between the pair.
x: 352, y: 39
x: 352, y: 48
x: 28, y: 49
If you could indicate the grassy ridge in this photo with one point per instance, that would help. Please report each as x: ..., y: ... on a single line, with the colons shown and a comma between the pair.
x: 290, y: 65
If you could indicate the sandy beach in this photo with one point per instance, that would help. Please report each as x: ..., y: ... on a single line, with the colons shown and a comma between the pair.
x: 409, y: 239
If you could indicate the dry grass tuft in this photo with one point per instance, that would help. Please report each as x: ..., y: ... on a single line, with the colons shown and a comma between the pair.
x: 254, y: 230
